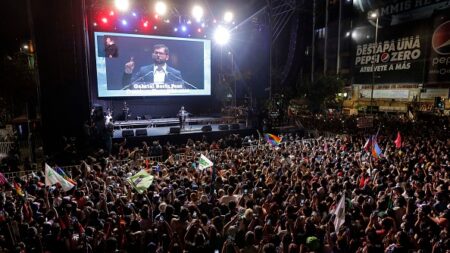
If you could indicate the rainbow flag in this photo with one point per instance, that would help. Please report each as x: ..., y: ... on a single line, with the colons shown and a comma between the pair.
x: 273, y: 139
x: 18, y: 189
x: 64, y: 175
x: 376, y: 150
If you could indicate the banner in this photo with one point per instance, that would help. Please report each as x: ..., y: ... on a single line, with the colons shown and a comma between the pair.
x: 397, y: 55
x: 395, y: 12
x: 439, y: 58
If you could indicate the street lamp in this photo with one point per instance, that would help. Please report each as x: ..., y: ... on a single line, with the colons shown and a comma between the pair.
x: 373, y: 16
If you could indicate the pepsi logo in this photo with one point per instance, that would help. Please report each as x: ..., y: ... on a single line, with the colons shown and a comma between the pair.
x: 441, y: 39
x: 385, y: 57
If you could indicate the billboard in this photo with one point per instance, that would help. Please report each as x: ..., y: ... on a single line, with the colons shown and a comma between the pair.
x: 397, y: 55
x: 439, y: 58
x: 412, y: 46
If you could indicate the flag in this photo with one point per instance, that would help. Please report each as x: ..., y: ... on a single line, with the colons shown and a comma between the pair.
x: 204, y: 162
x: 362, y: 182
x: 3, y: 179
x: 368, y: 144
x: 376, y: 150
x: 386, y: 152
x: 339, y: 214
x: 398, y: 141
x: 64, y: 175
x: 141, y: 181
x: 18, y: 189
x: 273, y: 139
x: 52, y: 177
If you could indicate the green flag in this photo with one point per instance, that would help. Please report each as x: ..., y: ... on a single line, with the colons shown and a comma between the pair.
x: 204, y: 163
x: 141, y: 181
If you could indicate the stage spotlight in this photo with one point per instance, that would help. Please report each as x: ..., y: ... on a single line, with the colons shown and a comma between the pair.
x: 104, y: 20
x: 199, y: 30
x: 228, y: 17
x: 145, y: 24
x: 134, y: 14
x: 95, y: 24
x: 197, y: 12
x: 124, y: 22
x: 155, y: 27
x: 183, y: 28
x: 161, y: 8
x: 221, y: 35
x: 122, y: 5
x: 175, y: 29
x: 203, y: 25
x: 188, y: 22
x: 111, y: 13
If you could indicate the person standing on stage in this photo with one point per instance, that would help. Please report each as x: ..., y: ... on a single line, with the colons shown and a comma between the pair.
x: 182, y: 115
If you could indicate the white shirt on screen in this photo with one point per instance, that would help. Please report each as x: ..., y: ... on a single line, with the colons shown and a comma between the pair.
x: 159, y: 73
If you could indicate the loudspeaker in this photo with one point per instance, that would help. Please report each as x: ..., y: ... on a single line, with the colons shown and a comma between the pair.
x: 234, y: 126
x: 175, y: 130
x: 207, y: 128
x: 127, y: 133
x: 223, y: 127
x: 141, y: 132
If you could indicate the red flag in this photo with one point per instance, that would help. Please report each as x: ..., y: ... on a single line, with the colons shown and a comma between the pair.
x: 361, y: 182
x: 398, y: 141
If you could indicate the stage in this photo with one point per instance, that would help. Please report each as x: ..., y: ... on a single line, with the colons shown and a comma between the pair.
x: 171, y: 126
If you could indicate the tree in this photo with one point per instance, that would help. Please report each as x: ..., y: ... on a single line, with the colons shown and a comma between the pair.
x: 323, y: 91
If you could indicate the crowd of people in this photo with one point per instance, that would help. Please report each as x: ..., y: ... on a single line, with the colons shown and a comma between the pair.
x: 257, y: 197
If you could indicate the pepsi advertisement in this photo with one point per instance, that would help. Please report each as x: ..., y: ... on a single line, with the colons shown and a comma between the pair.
x: 398, y: 55
x: 439, y: 59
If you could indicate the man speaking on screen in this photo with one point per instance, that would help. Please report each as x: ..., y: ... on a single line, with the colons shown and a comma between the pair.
x: 157, y: 75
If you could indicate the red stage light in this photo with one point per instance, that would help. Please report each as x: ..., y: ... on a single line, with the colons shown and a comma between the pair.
x: 145, y: 24
x: 111, y: 13
x: 104, y: 20
x: 199, y: 30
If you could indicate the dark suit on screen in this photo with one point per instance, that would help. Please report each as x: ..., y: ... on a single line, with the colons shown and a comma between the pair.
x: 146, y: 75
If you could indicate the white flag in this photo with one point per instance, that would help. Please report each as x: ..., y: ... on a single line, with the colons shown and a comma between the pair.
x: 52, y: 177
x: 339, y: 214
x: 204, y: 162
